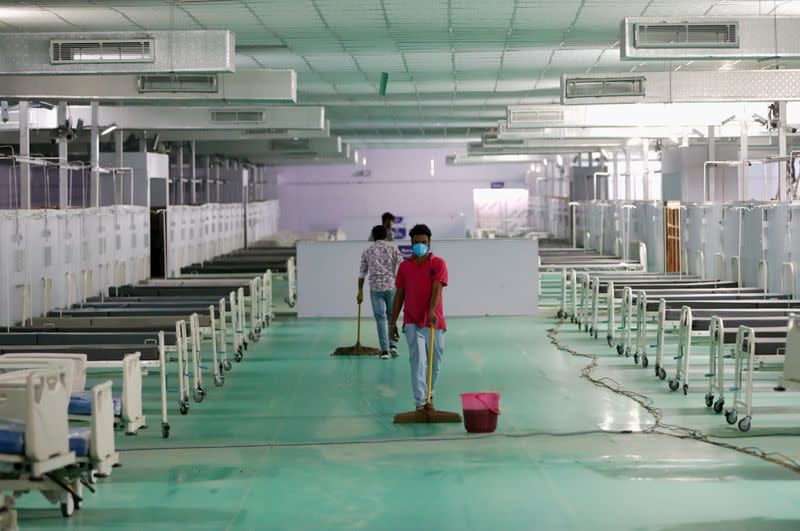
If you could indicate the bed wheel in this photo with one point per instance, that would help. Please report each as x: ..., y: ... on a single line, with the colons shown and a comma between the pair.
x: 627, y: 352
x: 198, y: 396
x: 227, y: 365
x: 238, y: 357
x: 610, y: 340
x: 673, y: 385
x: 219, y: 380
x: 560, y: 314
x: 709, y: 400
x: 645, y: 361
x: 744, y: 424
x: 685, y: 389
x: 636, y: 358
x: 184, y: 408
x: 165, y: 430
x: 718, y: 405
x: 730, y: 417
x: 68, y: 506
x: 620, y: 350
x: 662, y: 373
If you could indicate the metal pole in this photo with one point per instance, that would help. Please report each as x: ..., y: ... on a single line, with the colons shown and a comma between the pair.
x: 616, y: 175
x: 25, y: 152
x: 744, y: 192
x: 63, y: 157
x: 782, y: 192
x: 627, y: 175
x: 645, y: 170
x: 179, y: 182
x: 119, y: 197
x: 712, y: 155
x: 94, y: 149
x: 207, y: 184
x: 193, y: 166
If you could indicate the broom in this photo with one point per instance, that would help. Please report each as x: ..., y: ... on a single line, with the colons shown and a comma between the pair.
x: 427, y: 415
x: 357, y: 349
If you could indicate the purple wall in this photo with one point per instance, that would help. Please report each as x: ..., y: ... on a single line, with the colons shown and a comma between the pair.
x: 317, y: 198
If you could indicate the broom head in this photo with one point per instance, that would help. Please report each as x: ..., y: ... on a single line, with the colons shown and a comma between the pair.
x: 356, y: 350
x: 427, y: 416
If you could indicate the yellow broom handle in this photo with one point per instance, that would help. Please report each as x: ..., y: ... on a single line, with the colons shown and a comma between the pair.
x: 358, y: 335
x: 430, y: 363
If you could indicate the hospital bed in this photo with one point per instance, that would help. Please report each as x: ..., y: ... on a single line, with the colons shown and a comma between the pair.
x: 38, y: 451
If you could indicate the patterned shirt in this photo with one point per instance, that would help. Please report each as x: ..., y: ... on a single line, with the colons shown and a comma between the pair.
x: 381, y: 261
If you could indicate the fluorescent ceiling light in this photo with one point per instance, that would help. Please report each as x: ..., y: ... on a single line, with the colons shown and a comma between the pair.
x: 110, y: 128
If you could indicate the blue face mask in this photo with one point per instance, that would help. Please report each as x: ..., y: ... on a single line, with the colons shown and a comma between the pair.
x: 420, y: 249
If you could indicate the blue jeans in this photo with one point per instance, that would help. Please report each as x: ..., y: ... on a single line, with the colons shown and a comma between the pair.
x: 418, y: 342
x: 382, y: 302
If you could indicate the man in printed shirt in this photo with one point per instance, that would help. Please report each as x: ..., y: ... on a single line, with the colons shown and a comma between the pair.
x: 380, y: 261
x: 420, y: 281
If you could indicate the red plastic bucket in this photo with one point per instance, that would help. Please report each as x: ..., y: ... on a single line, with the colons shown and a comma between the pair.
x: 480, y: 411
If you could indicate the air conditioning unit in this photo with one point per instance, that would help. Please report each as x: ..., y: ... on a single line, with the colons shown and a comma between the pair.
x: 686, y: 35
x: 178, y: 83
x: 690, y: 38
x: 611, y: 87
x: 239, y: 116
x: 91, y: 51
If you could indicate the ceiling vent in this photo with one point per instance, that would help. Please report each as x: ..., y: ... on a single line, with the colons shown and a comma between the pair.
x: 101, y: 51
x: 534, y: 116
x: 238, y: 116
x: 182, y: 84
x: 291, y: 145
x: 575, y: 88
x: 686, y: 35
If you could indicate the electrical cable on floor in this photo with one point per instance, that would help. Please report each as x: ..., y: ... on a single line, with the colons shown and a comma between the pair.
x: 659, y: 427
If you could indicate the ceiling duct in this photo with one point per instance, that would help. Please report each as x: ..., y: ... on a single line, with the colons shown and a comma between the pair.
x: 203, y: 118
x: 687, y: 86
x: 117, y: 52
x: 244, y: 87
x: 644, y: 38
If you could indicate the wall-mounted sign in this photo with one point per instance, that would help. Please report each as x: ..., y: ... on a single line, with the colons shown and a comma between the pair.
x: 399, y: 228
x: 406, y: 251
x: 498, y: 184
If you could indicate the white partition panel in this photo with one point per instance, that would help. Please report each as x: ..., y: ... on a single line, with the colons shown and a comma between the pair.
x: 487, y: 277
x: 56, y: 244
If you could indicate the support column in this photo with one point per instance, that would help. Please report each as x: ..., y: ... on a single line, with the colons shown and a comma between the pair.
x: 628, y: 175
x: 63, y: 160
x: 615, y: 173
x: 119, y: 194
x: 180, y: 182
x: 782, y: 186
x: 744, y: 192
x: 645, y: 170
x: 712, y: 169
x: 207, y: 184
x: 193, y: 167
x: 24, y: 151
x: 217, y: 183
x: 94, y: 155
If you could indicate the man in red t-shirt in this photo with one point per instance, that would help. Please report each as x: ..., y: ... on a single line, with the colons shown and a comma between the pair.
x: 420, y: 280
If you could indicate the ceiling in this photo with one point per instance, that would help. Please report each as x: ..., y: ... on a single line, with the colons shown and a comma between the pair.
x: 453, y: 65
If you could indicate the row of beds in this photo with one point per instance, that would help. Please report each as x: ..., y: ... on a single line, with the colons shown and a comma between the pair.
x: 56, y: 436
x: 668, y: 316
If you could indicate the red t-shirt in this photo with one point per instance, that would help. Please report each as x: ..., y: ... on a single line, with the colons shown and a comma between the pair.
x: 417, y: 281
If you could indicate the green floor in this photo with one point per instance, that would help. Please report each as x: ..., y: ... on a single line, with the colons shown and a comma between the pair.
x: 299, y: 440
